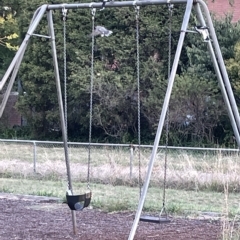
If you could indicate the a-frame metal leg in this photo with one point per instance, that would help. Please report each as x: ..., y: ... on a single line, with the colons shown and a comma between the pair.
x: 162, y: 117
x: 35, y: 21
x: 16, y: 62
x: 61, y: 110
x: 11, y: 81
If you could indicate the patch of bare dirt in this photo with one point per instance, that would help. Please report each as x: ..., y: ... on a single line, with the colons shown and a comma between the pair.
x: 30, y: 218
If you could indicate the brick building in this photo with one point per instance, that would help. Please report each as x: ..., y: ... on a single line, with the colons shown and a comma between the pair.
x: 11, y: 116
x: 221, y: 8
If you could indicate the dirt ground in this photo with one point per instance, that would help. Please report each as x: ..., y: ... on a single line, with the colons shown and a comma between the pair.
x: 33, y: 218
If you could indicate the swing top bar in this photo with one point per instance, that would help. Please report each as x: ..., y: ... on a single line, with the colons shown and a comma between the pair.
x: 116, y: 4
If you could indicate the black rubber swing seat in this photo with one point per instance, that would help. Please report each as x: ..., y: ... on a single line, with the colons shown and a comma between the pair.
x: 153, y: 219
x: 79, y: 202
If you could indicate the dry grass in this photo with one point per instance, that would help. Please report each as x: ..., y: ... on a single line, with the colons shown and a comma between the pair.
x: 189, y: 171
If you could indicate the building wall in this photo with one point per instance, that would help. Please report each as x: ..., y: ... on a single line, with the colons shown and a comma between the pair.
x: 11, y: 116
x: 222, y: 7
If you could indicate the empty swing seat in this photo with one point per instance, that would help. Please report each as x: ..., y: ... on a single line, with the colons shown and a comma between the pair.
x: 153, y: 219
x: 79, y: 202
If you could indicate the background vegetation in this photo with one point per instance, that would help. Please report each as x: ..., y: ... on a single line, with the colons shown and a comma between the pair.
x: 197, y: 113
x: 196, y: 180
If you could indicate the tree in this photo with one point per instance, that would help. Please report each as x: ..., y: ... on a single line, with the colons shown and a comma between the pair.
x: 115, y: 89
x: 194, y: 114
x: 39, y: 103
x: 233, y: 67
x: 197, y: 107
x: 8, y: 26
x: 115, y: 71
x: 8, y: 36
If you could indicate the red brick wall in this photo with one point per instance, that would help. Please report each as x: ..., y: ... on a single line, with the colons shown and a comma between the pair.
x: 222, y: 7
x: 10, y: 116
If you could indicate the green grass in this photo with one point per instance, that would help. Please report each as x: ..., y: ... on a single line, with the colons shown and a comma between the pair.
x: 119, y: 198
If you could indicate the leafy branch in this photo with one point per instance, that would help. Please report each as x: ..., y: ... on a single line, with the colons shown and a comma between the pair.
x: 6, y: 40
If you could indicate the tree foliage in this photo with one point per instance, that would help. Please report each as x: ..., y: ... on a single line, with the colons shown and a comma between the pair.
x: 202, y: 115
x: 8, y: 35
x: 233, y: 67
x: 196, y: 112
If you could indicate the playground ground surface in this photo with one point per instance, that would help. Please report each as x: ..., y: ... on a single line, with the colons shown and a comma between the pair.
x: 31, y: 217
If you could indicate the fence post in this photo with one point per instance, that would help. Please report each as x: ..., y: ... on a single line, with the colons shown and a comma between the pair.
x: 131, y: 161
x: 34, y: 156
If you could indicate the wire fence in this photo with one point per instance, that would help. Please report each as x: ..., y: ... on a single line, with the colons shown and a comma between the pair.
x: 47, y: 157
x: 198, y: 179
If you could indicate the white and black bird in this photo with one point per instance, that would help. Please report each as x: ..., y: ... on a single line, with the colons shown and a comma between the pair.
x: 203, y: 30
x: 102, y: 31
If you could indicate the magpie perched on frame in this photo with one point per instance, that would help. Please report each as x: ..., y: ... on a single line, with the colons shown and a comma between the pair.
x: 203, y: 30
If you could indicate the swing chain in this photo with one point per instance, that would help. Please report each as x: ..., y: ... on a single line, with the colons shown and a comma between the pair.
x: 137, y: 8
x: 93, y: 11
x: 64, y: 12
x: 170, y: 8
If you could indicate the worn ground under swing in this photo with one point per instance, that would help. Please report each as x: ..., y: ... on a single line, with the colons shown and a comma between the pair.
x: 24, y: 217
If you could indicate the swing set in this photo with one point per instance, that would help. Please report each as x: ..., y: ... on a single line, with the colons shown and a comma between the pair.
x: 205, y: 28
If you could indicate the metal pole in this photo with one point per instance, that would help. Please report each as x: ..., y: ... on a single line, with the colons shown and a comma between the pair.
x: 162, y: 117
x: 34, y: 156
x: 131, y: 161
x: 218, y: 73
x: 221, y: 63
x: 61, y: 110
x: 113, y: 4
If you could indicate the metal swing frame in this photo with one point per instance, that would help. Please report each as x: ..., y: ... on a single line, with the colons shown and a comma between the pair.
x: 204, y: 19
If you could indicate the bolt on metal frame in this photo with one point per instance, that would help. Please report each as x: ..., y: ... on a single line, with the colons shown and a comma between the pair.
x: 201, y: 10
